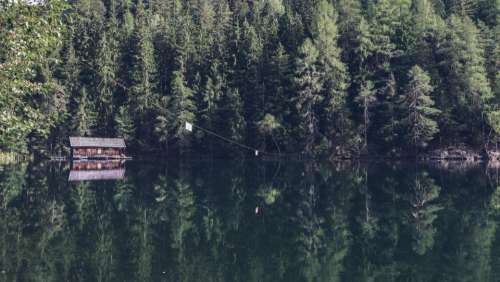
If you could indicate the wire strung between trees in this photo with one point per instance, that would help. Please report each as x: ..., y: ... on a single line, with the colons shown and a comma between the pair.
x: 257, y: 151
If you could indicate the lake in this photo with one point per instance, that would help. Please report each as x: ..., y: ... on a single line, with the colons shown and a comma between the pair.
x: 249, y: 221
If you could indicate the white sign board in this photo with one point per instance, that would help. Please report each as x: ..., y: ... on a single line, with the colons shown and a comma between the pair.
x: 189, y: 126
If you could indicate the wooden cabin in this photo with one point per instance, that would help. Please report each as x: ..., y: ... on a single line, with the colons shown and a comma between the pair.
x: 97, y: 148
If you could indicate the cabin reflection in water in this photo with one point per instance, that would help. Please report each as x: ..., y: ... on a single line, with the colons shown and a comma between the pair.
x: 97, y: 170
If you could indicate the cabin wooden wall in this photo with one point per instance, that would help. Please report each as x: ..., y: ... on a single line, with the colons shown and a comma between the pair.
x: 96, y: 152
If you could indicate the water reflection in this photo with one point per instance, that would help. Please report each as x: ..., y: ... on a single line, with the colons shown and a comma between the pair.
x: 232, y: 221
x: 92, y: 170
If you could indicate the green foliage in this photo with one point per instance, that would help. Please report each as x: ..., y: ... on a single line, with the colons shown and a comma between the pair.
x: 309, y: 86
x: 365, y: 100
x: 181, y: 108
x: 330, y: 74
x: 268, y: 124
x: 124, y: 124
x: 84, y: 118
x: 30, y: 38
x: 331, y: 68
x: 106, y: 69
x: 418, y: 110
x: 465, y: 91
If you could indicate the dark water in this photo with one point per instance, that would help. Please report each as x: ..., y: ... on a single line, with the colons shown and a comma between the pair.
x: 250, y: 221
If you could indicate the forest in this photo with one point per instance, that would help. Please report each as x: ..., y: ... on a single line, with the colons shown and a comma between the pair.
x: 315, y: 77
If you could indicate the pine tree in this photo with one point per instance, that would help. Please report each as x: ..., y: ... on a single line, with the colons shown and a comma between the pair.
x: 127, y: 21
x: 181, y: 108
x: 124, y: 125
x: 465, y: 88
x: 292, y: 31
x: 333, y: 70
x: 309, y: 94
x: 383, y: 26
x: 389, y: 132
x: 417, y: 108
x: 71, y: 69
x: 423, y: 15
x: 463, y: 8
x: 106, y: 64
x: 162, y: 123
x: 249, y: 79
x: 210, y: 95
x: 366, y: 100
x: 84, y: 118
x: 142, y: 91
x: 230, y: 115
x: 277, y: 81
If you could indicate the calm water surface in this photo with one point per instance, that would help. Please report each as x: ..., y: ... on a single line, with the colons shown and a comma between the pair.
x: 250, y: 221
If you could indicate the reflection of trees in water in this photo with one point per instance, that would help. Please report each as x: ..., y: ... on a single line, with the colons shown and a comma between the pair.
x: 423, y: 212
x: 314, y: 223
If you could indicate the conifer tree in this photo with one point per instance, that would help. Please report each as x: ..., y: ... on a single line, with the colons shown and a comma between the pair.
x: 181, y: 108
x: 249, y: 78
x: 84, y: 119
x: 417, y: 108
x: 71, y: 69
x: 333, y: 70
x: 106, y: 64
x: 366, y: 100
x: 124, y: 124
x: 278, y: 80
x: 142, y: 90
x: 465, y: 89
x: 463, y: 8
x: 211, y: 93
x: 162, y: 123
x: 230, y: 115
x: 309, y: 94
x: 389, y: 132
x: 423, y: 14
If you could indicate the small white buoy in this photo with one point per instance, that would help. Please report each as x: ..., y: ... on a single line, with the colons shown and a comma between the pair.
x: 256, y: 210
x: 256, y: 153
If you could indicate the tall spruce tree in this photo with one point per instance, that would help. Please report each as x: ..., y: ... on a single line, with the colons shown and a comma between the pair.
x: 142, y: 90
x: 388, y: 131
x: 333, y: 70
x: 230, y: 116
x: 142, y: 93
x: 84, y: 118
x: 309, y: 97
x: 106, y: 64
x: 248, y: 73
x: 181, y: 108
x: 465, y: 91
x: 417, y: 109
x: 366, y: 100
x: 124, y: 124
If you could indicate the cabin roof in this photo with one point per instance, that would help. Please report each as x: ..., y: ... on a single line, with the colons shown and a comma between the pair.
x: 86, y: 175
x: 76, y: 142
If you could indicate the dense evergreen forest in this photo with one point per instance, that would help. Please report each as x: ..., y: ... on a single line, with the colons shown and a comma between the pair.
x: 323, y: 77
